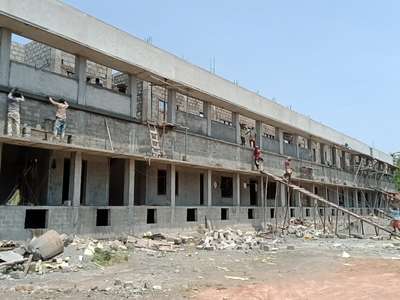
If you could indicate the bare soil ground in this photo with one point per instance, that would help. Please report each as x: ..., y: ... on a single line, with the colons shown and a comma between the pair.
x: 313, y: 270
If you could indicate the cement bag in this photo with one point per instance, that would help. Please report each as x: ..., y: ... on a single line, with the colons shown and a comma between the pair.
x: 46, y: 246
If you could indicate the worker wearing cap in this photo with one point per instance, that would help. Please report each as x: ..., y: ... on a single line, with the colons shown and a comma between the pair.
x: 13, y: 113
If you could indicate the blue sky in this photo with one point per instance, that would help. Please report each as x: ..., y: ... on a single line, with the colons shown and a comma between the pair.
x: 335, y: 61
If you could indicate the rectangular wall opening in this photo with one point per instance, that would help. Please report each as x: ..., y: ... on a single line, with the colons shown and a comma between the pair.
x: 271, y: 190
x: 103, y: 217
x: 321, y: 211
x: 224, y: 213
x: 116, y: 182
x: 191, y: 215
x: 253, y: 192
x: 292, y: 213
x: 36, y: 218
x: 66, y: 177
x: 161, y: 182
x: 151, y: 216
x: 250, y: 214
x: 307, y: 212
x: 272, y: 213
x: 226, y: 187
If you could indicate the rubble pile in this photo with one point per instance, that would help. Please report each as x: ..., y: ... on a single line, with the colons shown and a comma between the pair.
x: 306, y: 230
x: 230, y: 239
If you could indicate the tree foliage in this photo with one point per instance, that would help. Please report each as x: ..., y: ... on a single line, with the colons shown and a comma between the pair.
x: 397, y: 175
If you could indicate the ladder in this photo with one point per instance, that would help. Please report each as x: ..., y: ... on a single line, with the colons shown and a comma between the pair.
x: 154, y: 140
x: 328, y: 203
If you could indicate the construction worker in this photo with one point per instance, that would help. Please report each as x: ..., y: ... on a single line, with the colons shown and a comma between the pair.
x: 243, y: 132
x: 61, y: 117
x: 288, y: 169
x: 257, y: 157
x: 13, y: 114
x: 252, y: 138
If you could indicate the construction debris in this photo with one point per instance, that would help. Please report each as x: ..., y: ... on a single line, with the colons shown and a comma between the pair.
x: 46, y: 246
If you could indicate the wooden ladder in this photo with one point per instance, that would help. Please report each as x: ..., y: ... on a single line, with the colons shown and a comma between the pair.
x: 154, y: 139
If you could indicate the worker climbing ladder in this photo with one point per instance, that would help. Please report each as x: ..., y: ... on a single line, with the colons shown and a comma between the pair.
x: 154, y: 139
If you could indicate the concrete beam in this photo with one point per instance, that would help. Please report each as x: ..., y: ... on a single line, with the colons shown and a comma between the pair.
x: 171, y: 110
x: 146, y: 102
x: 129, y: 182
x: 259, y: 133
x: 209, y: 188
x: 133, y: 92
x: 76, y: 178
x: 80, y: 75
x: 5, y: 51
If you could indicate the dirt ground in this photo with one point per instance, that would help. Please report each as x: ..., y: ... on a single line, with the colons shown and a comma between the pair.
x: 313, y: 270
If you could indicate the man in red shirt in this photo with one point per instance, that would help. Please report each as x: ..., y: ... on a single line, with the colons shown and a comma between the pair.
x: 257, y: 157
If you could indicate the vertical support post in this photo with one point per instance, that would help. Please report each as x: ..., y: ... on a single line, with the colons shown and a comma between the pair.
x: 209, y: 188
x: 80, y: 75
x: 146, y: 102
x: 236, y: 190
x: 171, y: 110
x: 129, y: 182
x: 5, y: 52
x: 356, y: 198
x: 207, y: 115
x: 236, y: 124
x: 261, y: 193
x: 346, y: 198
x: 296, y: 141
x: 172, y: 198
x: 259, y: 133
x: 133, y: 92
x: 315, y: 208
x: 76, y: 178
x: 280, y: 137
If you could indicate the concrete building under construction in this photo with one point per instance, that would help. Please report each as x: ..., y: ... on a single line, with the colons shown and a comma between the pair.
x: 158, y: 144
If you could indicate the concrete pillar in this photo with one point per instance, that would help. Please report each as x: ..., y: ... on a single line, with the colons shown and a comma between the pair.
x: 236, y: 190
x: 80, y: 75
x: 146, y: 102
x: 129, y: 182
x: 279, y: 135
x: 259, y: 133
x: 355, y: 198
x: 209, y: 188
x: 260, y: 191
x: 5, y: 51
x: 172, y: 197
x: 236, y: 124
x: 296, y: 144
x: 207, y: 115
x: 76, y: 178
x: 283, y: 195
x: 346, y: 197
x: 133, y: 92
x: 171, y: 110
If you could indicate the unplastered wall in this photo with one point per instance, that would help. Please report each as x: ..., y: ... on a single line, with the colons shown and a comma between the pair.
x: 56, y: 176
x: 152, y: 197
x: 189, y: 187
x: 217, y: 198
x: 97, y: 180
x: 245, y: 189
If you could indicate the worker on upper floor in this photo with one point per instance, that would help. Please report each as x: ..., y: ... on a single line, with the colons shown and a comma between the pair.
x: 15, y: 97
x: 258, y: 160
x: 60, y: 122
x: 288, y: 169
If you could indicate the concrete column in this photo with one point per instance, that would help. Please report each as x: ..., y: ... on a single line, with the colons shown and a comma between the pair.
x: 172, y: 197
x: 207, y: 115
x: 129, y: 182
x: 146, y: 102
x: 133, y: 92
x: 5, y: 51
x: 346, y: 198
x: 283, y: 195
x: 322, y: 153
x: 260, y: 191
x: 80, y: 75
x: 355, y: 198
x: 236, y: 190
x: 259, y: 133
x: 296, y: 143
x: 236, y: 124
x: 279, y: 135
x: 171, y: 110
x: 209, y: 188
x: 76, y: 178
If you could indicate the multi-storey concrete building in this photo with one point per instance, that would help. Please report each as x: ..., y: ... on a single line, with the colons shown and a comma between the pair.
x: 103, y: 178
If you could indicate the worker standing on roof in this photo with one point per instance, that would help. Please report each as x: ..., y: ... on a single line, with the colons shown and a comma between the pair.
x: 288, y: 169
x: 61, y: 117
x: 13, y: 114
x: 258, y: 160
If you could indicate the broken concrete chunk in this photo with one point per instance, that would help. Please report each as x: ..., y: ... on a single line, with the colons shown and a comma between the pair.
x: 46, y: 246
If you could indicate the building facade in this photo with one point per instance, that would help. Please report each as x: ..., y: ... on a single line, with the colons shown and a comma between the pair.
x: 103, y: 179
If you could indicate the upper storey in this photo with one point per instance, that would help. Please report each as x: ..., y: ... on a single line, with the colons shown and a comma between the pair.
x: 59, y: 25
